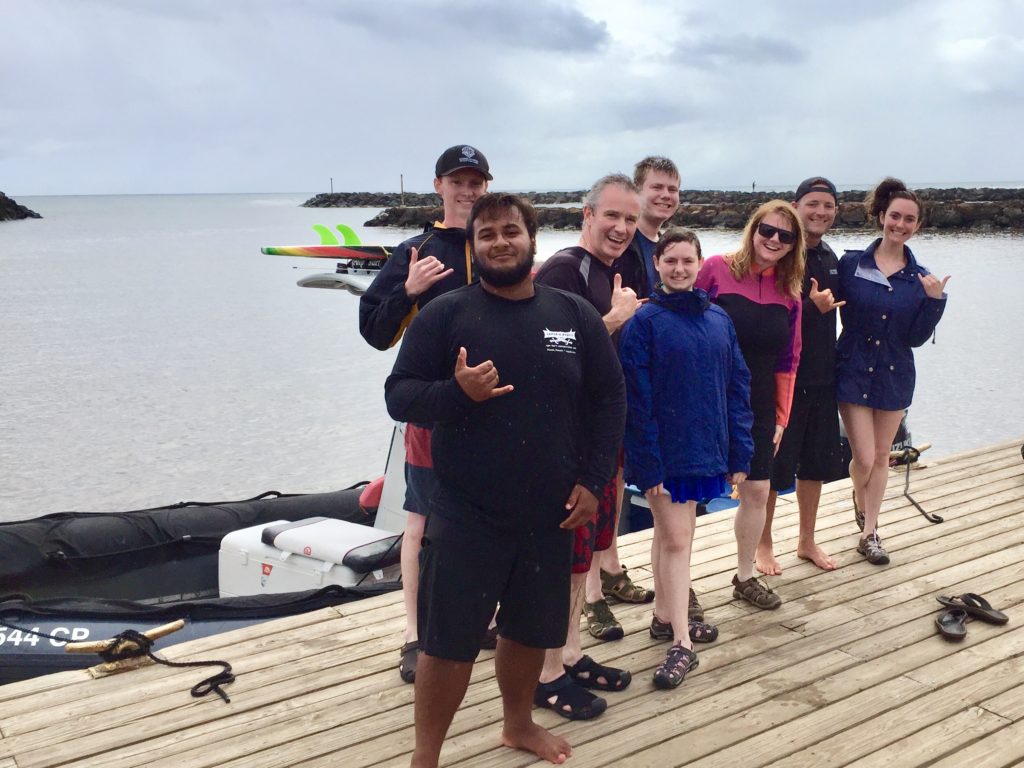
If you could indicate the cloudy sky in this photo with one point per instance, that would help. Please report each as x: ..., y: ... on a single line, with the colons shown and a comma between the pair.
x: 134, y: 96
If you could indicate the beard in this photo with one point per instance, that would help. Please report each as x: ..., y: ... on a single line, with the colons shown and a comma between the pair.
x: 506, y: 277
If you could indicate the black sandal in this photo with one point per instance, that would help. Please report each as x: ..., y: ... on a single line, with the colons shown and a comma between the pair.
x: 407, y: 666
x: 702, y: 632
x: 568, y: 699
x: 588, y: 673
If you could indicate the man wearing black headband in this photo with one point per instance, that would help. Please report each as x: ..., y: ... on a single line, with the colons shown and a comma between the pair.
x: 810, y: 451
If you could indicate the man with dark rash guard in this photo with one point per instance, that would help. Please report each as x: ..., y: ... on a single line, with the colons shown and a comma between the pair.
x: 527, y: 399
x: 420, y: 269
x: 611, y: 210
x: 810, y: 451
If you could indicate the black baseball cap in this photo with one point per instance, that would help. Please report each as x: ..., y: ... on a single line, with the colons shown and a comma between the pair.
x: 462, y: 156
x: 816, y: 184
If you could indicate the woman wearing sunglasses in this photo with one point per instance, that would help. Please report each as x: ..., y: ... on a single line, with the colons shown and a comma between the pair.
x: 892, y: 305
x: 759, y: 287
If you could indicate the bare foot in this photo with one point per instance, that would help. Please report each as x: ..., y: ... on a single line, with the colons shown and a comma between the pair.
x: 540, y: 741
x: 816, y: 555
x: 765, y: 562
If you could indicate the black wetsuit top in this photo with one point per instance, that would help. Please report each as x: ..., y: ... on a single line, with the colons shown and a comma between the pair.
x: 516, y: 457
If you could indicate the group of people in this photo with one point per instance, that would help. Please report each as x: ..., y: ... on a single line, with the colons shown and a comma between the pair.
x: 530, y: 400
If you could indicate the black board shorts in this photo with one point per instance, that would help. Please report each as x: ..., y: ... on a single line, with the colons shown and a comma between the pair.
x: 810, y: 449
x: 468, y: 567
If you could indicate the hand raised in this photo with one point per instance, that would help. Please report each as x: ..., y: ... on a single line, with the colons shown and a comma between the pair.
x: 624, y: 304
x: 933, y: 286
x: 479, y: 382
x: 823, y: 300
x: 582, y: 506
x: 423, y: 273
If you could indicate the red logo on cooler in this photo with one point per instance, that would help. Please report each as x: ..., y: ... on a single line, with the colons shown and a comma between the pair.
x: 267, y: 568
x: 307, y: 550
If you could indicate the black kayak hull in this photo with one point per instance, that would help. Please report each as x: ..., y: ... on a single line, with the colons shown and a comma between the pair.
x: 160, y: 555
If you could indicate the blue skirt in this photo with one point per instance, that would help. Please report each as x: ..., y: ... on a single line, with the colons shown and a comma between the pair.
x: 701, y: 489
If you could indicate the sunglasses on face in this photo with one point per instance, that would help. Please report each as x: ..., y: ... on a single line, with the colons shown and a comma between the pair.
x: 767, y: 231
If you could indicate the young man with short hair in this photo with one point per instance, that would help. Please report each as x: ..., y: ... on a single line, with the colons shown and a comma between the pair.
x: 418, y: 270
x: 528, y: 404
x: 810, y: 451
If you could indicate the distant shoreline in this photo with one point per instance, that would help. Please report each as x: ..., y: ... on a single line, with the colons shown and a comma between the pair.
x: 981, y: 209
x: 11, y: 210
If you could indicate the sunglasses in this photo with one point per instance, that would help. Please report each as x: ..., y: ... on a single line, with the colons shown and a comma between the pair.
x: 767, y: 231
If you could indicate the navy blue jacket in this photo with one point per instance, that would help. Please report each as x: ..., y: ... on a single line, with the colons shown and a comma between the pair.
x: 884, y: 318
x: 687, y: 389
x: 385, y: 310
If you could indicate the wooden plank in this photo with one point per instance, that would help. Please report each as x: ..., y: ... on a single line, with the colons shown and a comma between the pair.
x: 923, y: 747
x: 999, y: 749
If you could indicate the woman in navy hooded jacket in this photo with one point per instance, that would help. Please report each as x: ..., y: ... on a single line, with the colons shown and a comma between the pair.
x: 892, y: 305
x: 688, y: 427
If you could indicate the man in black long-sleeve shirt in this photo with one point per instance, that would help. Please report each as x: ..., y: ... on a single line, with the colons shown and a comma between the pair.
x: 528, y: 404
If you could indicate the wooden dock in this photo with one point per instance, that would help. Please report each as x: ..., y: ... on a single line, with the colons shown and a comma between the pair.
x: 849, y: 671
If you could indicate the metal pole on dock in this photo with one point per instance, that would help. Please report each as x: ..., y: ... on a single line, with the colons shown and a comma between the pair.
x: 332, y: 185
x: 401, y: 187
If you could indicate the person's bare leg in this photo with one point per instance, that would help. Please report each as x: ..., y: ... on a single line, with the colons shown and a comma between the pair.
x: 808, y: 496
x: 572, y: 651
x: 440, y: 687
x: 516, y: 668
x: 661, y: 609
x: 870, y: 433
x: 748, y: 524
x: 412, y: 543
x: 764, y: 556
x: 674, y: 524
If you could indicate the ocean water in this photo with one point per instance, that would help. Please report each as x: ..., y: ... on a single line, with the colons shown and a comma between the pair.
x: 151, y: 353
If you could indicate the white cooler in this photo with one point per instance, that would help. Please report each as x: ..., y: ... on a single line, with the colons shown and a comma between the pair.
x: 304, y: 555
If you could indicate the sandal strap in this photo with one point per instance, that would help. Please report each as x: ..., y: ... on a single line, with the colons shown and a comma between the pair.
x: 615, y: 679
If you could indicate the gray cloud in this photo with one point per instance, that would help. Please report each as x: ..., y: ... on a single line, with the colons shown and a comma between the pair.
x: 253, y: 95
x: 728, y: 51
x: 491, y: 24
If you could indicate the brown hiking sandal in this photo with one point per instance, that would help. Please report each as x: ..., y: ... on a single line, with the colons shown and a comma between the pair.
x: 620, y: 586
x: 871, y: 547
x: 661, y: 630
x: 601, y: 622
x: 694, y: 611
x: 755, y: 592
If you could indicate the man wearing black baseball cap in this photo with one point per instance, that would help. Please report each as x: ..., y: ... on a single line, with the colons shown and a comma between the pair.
x: 418, y: 270
x: 810, y: 451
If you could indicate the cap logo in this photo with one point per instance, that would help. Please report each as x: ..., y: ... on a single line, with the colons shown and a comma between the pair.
x: 468, y: 152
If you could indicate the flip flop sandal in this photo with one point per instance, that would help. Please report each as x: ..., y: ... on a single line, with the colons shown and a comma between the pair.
x: 588, y: 673
x: 976, y: 606
x: 407, y: 667
x: 701, y: 632
x: 619, y: 585
x: 601, y: 623
x: 568, y: 699
x: 952, y: 624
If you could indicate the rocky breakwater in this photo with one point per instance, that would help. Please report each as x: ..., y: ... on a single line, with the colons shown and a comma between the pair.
x: 978, y: 209
x: 11, y: 210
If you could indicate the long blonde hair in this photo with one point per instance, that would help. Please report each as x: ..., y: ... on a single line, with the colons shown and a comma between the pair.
x: 789, y: 271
